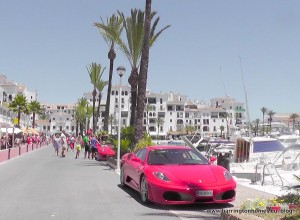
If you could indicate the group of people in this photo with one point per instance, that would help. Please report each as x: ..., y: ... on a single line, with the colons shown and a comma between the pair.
x: 8, y: 140
x: 62, y: 142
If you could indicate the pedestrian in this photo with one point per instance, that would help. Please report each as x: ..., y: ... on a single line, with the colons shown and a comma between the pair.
x: 72, y: 142
x: 63, y: 141
x: 56, y: 144
x: 78, y: 145
x: 93, y: 146
x: 86, y: 146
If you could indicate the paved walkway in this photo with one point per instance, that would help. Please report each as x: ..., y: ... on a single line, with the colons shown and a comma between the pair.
x: 40, y: 185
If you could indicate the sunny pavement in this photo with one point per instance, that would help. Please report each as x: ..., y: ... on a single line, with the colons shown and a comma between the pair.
x: 40, y: 185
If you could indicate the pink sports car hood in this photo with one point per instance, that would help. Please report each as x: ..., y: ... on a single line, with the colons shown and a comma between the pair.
x: 193, y: 174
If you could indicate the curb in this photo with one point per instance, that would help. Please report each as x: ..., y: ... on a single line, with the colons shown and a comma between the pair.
x: 111, y: 162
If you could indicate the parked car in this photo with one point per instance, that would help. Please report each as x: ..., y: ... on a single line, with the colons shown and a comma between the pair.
x: 104, y: 151
x: 176, y: 175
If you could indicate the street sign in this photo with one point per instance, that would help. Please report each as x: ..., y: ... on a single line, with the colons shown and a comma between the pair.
x: 15, y: 121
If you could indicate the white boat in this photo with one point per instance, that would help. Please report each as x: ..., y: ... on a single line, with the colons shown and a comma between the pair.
x: 288, y: 140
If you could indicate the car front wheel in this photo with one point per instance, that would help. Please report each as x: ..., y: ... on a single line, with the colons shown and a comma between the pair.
x: 144, y: 190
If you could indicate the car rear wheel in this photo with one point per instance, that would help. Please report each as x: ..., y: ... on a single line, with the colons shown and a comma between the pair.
x: 122, y: 178
x: 144, y: 190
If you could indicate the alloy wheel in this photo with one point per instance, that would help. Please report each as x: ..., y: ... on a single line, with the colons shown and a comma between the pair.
x: 144, y: 190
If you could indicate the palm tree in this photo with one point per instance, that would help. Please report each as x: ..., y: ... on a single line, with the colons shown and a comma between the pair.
x: 159, y: 122
x: 110, y: 31
x: 293, y: 118
x: 112, y: 121
x: 270, y: 113
x: 35, y: 108
x: 256, y: 128
x: 100, y: 85
x: 132, y: 49
x: 95, y: 74
x: 189, y: 129
x: 18, y: 105
x: 80, y: 114
x: 264, y: 111
x: 134, y: 28
x: 222, y: 128
x: 148, y: 39
x: 148, y: 108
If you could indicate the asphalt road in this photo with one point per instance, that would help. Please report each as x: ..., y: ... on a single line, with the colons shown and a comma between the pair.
x: 41, y: 186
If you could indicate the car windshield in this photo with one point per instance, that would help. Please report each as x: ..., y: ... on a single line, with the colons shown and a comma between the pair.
x: 176, y: 157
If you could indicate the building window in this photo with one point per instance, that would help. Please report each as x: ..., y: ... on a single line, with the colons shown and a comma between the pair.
x: 161, y: 101
x: 126, y: 92
x: 112, y: 92
x: 214, y: 114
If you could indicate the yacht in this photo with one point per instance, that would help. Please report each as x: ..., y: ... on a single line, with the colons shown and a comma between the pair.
x: 289, y: 140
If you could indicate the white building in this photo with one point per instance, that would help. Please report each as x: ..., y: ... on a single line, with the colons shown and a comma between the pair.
x: 173, y: 111
x: 8, y: 91
x: 59, y: 117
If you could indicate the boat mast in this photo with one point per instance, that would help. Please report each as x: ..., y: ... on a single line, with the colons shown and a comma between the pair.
x: 247, y: 108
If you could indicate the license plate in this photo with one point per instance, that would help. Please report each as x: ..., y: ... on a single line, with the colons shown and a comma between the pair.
x: 204, y: 193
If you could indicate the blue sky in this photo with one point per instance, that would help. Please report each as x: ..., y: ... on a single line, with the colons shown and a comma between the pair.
x: 47, y: 45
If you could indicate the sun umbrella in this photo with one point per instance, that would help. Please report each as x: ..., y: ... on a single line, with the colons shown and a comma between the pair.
x: 11, y: 130
x: 32, y: 131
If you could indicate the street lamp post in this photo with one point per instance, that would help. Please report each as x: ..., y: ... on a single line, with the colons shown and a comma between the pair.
x: 94, y: 121
x: 87, y: 119
x: 121, y: 70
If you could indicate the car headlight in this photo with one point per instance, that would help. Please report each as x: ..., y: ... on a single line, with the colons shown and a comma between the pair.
x: 227, y: 175
x: 161, y: 176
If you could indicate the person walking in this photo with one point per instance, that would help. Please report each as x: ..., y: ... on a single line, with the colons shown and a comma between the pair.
x: 78, y: 145
x: 72, y: 142
x: 86, y: 146
x: 63, y: 141
x: 93, y: 145
x: 56, y: 144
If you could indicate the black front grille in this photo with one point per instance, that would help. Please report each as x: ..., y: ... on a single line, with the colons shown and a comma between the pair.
x: 226, y: 195
x: 176, y: 196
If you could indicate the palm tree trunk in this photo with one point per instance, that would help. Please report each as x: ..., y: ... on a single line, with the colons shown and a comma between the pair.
x: 98, y: 108
x: 133, y: 82
x: 111, y: 56
x: 19, y: 117
x: 94, y: 100
x: 33, y: 120
x: 142, y: 82
x: 263, y: 124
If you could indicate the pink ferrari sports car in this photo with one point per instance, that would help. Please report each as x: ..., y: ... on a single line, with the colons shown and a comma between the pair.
x: 176, y: 175
x: 104, y: 151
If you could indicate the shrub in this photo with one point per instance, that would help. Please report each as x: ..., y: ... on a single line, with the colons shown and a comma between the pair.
x: 145, y: 141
